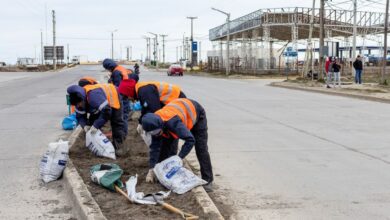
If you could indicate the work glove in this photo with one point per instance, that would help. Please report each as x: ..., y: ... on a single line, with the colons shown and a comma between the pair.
x: 150, y: 177
x: 93, y: 130
x: 139, y: 129
x: 86, y: 128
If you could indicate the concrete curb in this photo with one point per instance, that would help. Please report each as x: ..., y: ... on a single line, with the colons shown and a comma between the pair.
x: 84, y: 204
x: 203, y: 199
x: 331, y: 92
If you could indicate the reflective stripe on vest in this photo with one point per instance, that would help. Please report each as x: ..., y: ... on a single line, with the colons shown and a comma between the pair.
x: 109, y: 91
x: 166, y: 91
x: 124, y: 71
x: 183, y: 108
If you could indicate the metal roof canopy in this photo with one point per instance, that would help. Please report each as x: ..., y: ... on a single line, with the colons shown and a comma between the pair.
x: 281, y: 20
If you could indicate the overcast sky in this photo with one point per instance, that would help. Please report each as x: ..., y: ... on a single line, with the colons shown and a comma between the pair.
x: 86, y: 24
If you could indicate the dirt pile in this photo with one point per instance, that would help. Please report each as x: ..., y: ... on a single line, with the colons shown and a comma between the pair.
x: 115, y: 206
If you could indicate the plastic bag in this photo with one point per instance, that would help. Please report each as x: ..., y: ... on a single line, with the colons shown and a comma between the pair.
x: 69, y: 122
x: 99, y: 145
x: 136, y: 106
x: 54, y: 161
x: 140, y: 197
x: 175, y: 177
x: 145, y: 136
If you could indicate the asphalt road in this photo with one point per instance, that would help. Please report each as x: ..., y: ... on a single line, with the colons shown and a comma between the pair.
x: 286, y: 154
x: 277, y: 153
x: 32, y: 106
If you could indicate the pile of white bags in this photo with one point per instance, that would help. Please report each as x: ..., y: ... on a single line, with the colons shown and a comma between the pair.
x: 54, y: 161
x: 99, y: 145
x: 175, y: 177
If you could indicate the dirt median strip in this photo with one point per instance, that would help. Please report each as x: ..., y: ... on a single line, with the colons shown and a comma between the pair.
x: 86, y: 207
x: 331, y: 92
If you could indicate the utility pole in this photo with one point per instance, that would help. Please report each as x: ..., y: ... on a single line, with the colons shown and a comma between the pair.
x: 54, y: 41
x: 127, y: 53
x: 321, y: 57
x: 193, y: 62
x: 42, y: 55
x: 67, y: 55
x: 112, y: 43
x: 228, y: 39
x: 309, y: 48
x: 131, y: 52
x: 385, y: 42
x: 163, y: 40
x: 155, y: 48
x: 354, y: 34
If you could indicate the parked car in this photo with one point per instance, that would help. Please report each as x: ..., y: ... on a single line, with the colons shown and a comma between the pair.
x: 175, y: 70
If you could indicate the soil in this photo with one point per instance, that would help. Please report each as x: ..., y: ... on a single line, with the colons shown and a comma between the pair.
x: 116, y: 206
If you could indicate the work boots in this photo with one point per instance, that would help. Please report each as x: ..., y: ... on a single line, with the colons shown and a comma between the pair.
x: 208, y: 187
x: 120, y: 149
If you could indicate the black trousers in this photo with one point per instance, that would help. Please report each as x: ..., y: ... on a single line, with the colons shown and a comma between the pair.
x: 119, y: 129
x: 168, y: 148
x: 201, y: 148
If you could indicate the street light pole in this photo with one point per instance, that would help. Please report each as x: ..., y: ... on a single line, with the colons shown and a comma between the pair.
x: 228, y: 39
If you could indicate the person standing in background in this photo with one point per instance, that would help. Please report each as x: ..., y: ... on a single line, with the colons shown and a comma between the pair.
x: 358, y: 65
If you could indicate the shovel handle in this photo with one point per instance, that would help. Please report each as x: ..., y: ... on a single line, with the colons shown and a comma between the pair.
x: 119, y: 190
x: 173, y: 209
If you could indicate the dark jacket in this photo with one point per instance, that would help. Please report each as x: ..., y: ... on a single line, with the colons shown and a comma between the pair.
x: 336, y: 67
x: 175, y: 126
x: 150, y: 99
x: 358, y: 64
x: 93, y: 105
x: 116, y: 76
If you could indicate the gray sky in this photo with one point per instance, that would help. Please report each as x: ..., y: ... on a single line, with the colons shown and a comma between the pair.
x: 85, y: 24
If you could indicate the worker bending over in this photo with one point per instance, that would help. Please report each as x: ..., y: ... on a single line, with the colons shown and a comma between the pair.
x: 180, y: 119
x: 103, y: 103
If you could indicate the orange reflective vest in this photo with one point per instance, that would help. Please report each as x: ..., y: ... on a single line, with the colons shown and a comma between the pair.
x: 183, y: 108
x: 110, y: 91
x: 167, y: 92
x: 125, y: 72
x: 90, y: 79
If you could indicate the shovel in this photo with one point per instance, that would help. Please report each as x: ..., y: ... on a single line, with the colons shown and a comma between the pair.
x: 184, y: 215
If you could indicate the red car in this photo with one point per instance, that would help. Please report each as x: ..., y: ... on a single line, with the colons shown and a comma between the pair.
x: 175, y: 70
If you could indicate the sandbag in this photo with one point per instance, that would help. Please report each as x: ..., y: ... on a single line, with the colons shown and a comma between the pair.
x: 54, y: 160
x: 175, y: 177
x: 99, y: 145
x: 69, y: 122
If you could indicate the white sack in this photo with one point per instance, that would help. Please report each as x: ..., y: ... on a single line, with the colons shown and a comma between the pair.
x: 175, y: 177
x: 54, y: 161
x: 99, y: 145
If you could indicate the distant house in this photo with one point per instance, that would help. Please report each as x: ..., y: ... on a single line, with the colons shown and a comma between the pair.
x: 27, y: 62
